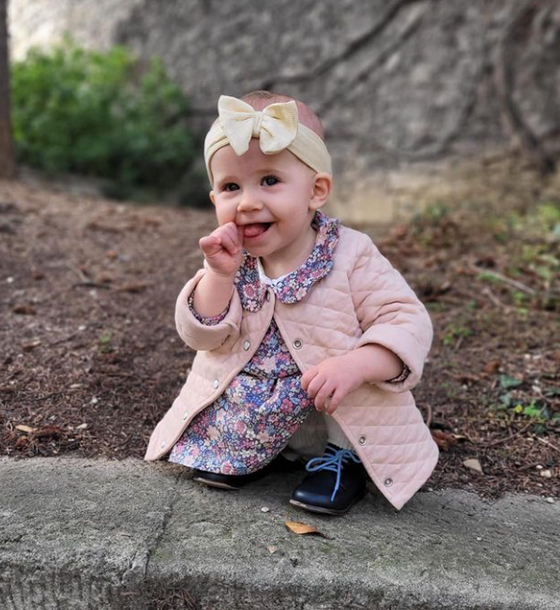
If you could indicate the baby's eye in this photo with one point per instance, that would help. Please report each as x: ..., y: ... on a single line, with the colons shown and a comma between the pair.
x: 233, y: 186
x: 270, y: 180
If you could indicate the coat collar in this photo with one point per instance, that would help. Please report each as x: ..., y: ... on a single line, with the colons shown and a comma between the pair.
x: 295, y: 285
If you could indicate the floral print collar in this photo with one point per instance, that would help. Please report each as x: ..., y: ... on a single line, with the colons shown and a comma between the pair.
x: 295, y: 285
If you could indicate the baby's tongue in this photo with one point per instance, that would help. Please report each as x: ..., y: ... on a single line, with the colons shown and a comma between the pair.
x: 254, y: 229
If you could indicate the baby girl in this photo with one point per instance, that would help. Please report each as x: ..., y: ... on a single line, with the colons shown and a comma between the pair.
x: 308, y: 340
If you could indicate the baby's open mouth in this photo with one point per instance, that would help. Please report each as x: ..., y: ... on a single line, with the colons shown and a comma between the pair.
x: 255, y: 229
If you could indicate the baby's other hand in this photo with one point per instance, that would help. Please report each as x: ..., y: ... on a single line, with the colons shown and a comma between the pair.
x: 223, y: 249
x: 330, y: 381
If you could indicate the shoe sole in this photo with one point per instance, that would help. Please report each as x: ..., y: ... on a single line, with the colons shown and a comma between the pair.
x: 215, y: 484
x: 325, y: 511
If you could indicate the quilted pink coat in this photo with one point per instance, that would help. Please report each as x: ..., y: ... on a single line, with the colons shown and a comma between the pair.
x: 362, y: 300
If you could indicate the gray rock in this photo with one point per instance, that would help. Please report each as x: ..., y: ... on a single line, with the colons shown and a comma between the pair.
x: 77, y: 534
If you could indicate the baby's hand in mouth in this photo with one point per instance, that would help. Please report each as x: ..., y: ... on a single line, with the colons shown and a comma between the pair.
x: 222, y: 249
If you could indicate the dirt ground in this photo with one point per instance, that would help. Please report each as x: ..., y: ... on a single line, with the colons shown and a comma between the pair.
x: 90, y: 359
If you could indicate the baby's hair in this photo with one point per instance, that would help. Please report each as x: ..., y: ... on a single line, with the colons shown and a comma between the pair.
x: 261, y: 99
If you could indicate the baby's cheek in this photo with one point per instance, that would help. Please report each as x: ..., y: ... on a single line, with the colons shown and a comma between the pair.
x: 225, y: 215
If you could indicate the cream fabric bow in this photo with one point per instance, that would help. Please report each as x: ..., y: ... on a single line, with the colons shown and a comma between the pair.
x: 276, y: 126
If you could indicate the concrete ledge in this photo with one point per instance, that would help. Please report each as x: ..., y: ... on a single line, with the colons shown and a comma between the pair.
x: 94, y: 534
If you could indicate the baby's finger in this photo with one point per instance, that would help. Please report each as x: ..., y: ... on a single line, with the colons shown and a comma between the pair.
x: 323, y: 395
x: 210, y: 244
x: 230, y: 237
x: 334, y: 402
x: 229, y: 244
x: 308, y: 376
x: 315, y: 386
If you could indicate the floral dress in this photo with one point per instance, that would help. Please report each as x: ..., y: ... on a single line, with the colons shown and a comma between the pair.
x: 253, y: 420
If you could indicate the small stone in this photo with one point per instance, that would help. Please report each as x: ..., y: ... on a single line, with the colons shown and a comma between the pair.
x: 539, y: 467
x: 265, y: 509
x: 94, y: 400
x: 9, y: 280
x: 81, y: 327
x: 550, y: 500
x: 479, y: 539
x: 272, y: 549
x: 473, y: 464
x: 547, y: 474
x: 81, y: 427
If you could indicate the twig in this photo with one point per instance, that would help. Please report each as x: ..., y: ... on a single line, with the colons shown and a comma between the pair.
x: 486, y: 290
x: 83, y: 277
x: 541, y: 440
x: 505, y: 440
x: 429, y: 414
x: 90, y: 284
x: 505, y: 279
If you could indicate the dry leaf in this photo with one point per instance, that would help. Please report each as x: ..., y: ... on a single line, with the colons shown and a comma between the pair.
x: 491, y: 367
x: 473, y: 464
x: 49, y: 432
x: 105, y: 277
x: 26, y: 310
x: 27, y: 347
x: 466, y: 377
x: 133, y: 287
x: 25, y: 428
x: 272, y: 549
x: 22, y: 442
x: 302, y: 528
x: 444, y: 440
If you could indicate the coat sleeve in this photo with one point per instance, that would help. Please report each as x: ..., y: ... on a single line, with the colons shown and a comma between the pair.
x: 389, y: 312
x: 201, y: 336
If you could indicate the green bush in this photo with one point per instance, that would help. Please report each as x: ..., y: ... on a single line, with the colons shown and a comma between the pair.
x: 103, y: 115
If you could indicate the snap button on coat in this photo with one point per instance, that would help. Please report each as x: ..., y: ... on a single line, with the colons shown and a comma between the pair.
x: 216, y: 384
x: 297, y: 344
x: 362, y: 440
x: 246, y: 345
x: 388, y: 482
x: 185, y: 415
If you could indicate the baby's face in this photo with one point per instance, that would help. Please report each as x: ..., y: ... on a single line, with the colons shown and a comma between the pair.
x: 271, y: 196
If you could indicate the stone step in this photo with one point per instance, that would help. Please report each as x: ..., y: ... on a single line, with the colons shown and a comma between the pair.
x: 96, y: 534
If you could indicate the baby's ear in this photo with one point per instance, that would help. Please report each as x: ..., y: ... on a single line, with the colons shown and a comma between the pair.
x: 322, y: 187
x: 212, y: 197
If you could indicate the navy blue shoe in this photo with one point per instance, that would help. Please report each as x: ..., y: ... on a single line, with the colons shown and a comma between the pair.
x: 230, y: 482
x: 235, y: 482
x: 337, y: 483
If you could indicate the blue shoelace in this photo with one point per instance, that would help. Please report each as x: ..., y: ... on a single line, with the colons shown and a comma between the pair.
x: 332, y: 460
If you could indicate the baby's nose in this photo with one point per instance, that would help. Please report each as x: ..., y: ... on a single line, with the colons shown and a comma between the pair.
x: 249, y: 201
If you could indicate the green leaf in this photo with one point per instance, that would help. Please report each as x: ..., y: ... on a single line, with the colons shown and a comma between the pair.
x: 509, y: 382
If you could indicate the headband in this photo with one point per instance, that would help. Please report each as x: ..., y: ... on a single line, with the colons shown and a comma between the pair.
x: 276, y: 127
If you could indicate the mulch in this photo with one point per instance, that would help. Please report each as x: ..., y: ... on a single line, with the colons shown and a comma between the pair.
x: 91, y: 360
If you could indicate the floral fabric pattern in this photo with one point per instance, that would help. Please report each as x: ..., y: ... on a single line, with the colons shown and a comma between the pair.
x: 209, y: 320
x: 253, y: 420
